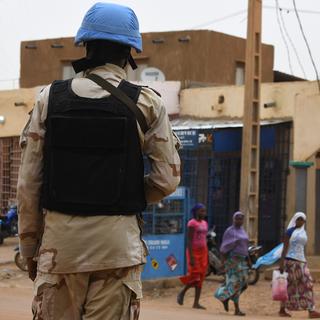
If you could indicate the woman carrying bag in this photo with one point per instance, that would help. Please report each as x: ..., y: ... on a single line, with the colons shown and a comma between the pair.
x: 293, y: 261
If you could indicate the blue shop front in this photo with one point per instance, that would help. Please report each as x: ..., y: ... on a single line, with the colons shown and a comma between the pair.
x: 211, y: 164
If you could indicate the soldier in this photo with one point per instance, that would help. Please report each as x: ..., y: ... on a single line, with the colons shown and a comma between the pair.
x: 82, y: 188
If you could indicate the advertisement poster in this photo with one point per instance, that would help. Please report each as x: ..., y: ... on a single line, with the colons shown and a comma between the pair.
x: 194, y: 138
x: 166, y: 256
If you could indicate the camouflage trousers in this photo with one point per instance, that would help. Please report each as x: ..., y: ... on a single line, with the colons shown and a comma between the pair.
x: 100, y: 295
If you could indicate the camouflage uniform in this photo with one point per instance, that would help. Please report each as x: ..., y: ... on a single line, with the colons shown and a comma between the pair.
x: 96, y: 257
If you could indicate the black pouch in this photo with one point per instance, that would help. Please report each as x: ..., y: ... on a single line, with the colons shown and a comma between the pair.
x: 82, y: 151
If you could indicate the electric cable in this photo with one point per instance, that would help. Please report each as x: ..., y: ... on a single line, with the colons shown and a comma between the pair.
x: 292, y: 43
x: 283, y: 36
x: 306, y: 42
x: 292, y: 10
x: 235, y: 14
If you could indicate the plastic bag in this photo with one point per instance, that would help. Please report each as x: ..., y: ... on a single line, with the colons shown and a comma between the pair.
x: 279, y: 286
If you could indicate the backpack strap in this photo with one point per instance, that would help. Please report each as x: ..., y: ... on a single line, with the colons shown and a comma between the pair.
x: 122, y: 97
x: 131, y: 90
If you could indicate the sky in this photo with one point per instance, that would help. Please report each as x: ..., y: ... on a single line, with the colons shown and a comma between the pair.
x: 42, y: 19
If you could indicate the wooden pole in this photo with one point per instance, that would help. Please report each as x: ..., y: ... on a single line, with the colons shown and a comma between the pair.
x: 249, y: 188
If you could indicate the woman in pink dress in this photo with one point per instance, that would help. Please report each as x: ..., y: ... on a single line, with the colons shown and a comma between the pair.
x: 197, y: 255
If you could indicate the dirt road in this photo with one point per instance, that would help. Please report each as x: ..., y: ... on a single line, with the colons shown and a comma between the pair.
x: 15, y: 305
x: 16, y: 295
x: 256, y: 302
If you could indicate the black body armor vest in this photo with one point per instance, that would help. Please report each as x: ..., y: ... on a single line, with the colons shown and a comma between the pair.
x: 93, y: 163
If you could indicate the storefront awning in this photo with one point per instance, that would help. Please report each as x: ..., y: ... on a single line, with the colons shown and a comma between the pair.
x: 192, y: 123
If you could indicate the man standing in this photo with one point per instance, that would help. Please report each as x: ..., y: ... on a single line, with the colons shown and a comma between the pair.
x: 81, y: 187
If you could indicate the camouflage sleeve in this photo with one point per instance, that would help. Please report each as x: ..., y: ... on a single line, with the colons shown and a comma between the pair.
x: 161, y: 147
x: 30, y: 180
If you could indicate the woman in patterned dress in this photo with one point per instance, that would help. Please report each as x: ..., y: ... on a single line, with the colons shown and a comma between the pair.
x: 234, y: 249
x: 293, y: 261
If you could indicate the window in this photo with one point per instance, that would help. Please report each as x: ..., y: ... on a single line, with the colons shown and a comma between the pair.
x: 167, y: 217
x: 10, y: 154
x: 240, y: 73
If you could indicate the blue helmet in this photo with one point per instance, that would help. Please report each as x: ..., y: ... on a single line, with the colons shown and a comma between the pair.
x: 108, y: 21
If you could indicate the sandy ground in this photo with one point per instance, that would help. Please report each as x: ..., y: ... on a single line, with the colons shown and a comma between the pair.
x: 16, y: 295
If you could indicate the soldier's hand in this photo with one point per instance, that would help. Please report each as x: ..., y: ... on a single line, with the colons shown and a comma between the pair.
x: 32, y: 268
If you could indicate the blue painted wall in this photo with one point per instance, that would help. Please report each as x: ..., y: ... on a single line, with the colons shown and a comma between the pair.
x: 167, y: 251
x: 230, y: 139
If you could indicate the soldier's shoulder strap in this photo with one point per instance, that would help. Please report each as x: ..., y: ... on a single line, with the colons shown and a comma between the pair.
x: 121, y: 96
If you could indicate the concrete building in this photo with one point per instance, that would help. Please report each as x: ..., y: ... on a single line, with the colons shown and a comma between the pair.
x: 296, y: 104
x: 198, y: 55
x: 14, y: 108
x: 290, y: 156
x: 201, y: 69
